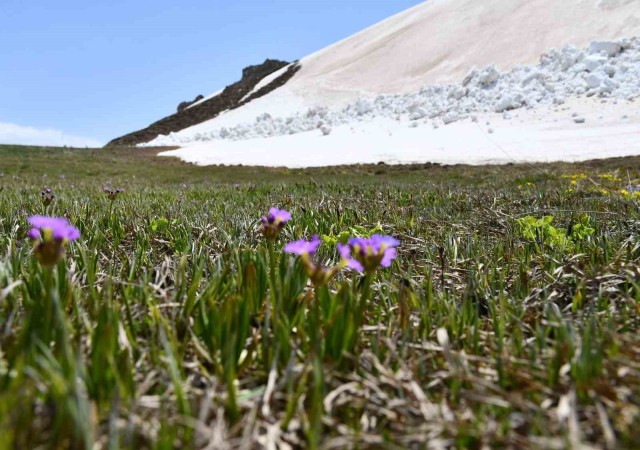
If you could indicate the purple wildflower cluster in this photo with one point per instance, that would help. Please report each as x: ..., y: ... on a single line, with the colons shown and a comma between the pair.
x: 361, y: 254
x: 367, y: 254
x: 50, y: 235
x: 319, y: 274
x: 274, y: 222
x: 111, y: 193
x: 47, y: 197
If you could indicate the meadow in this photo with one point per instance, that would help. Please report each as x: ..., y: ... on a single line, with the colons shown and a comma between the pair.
x: 508, y: 319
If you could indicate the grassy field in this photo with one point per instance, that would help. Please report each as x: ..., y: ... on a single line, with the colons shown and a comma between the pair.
x: 509, y: 318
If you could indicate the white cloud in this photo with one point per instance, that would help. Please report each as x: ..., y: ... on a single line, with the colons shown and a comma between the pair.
x: 17, y: 134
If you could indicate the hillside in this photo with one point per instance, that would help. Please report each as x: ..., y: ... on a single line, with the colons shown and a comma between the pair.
x: 232, y: 97
x: 406, y: 90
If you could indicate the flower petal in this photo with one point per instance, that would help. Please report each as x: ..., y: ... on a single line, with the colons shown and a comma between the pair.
x: 386, y: 241
x: 389, y: 256
x: 355, y: 265
x: 344, y: 250
x: 59, y: 227
x: 303, y: 247
x: 34, y: 234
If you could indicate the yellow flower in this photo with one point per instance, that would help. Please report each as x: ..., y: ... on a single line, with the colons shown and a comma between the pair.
x: 609, y: 177
x: 580, y: 176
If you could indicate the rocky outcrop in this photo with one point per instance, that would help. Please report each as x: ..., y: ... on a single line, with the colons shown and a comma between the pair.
x: 185, y: 105
x: 232, y: 97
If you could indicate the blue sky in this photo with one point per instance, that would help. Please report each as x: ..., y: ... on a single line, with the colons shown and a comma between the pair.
x: 85, y: 71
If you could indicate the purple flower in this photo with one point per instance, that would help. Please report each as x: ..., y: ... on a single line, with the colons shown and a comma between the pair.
x: 274, y: 222
x: 319, y: 274
x: 47, y: 197
x: 302, y: 247
x: 111, y: 193
x: 276, y: 216
x: 367, y: 254
x: 345, y: 254
x: 34, y: 234
x: 58, y: 228
x: 50, y: 235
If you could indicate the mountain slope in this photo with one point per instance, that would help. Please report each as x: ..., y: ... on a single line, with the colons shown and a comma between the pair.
x: 232, y: 97
x: 390, y: 75
x: 440, y: 41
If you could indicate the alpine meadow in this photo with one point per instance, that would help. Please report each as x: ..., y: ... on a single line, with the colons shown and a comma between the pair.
x: 155, y: 313
x: 320, y: 224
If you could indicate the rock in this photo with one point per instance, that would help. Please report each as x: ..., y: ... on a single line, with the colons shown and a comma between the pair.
x: 579, y: 120
x: 185, y: 105
x: 230, y: 98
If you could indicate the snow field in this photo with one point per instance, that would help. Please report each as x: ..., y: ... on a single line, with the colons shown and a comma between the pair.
x: 606, y: 69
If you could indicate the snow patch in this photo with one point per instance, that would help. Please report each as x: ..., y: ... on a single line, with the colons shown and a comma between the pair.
x: 266, y: 81
x: 208, y: 97
x: 560, y: 75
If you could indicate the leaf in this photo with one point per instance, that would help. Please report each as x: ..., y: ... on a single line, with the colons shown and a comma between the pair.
x: 159, y: 225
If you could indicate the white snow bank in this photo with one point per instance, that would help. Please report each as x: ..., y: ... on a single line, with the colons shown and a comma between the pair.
x: 605, y: 69
x: 545, y: 134
x: 408, y: 90
x: 266, y: 81
x: 440, y: 41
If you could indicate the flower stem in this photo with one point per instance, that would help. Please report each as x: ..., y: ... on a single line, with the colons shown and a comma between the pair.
x: 272, y: 311
x: 316, y: 409
x: 361, y: 307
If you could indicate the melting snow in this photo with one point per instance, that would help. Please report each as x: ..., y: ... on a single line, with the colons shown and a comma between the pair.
x: 418, y: 88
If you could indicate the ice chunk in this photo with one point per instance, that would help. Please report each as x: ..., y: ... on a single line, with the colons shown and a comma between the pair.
x: 608, y: 47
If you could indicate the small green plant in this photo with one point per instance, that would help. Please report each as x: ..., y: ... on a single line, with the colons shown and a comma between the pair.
x: 543, y: 233
x: 582, y: 230
x: 159, y: 225
x: 356, y: 230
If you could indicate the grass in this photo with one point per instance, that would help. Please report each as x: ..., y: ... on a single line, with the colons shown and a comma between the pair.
x: 170, y: 324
